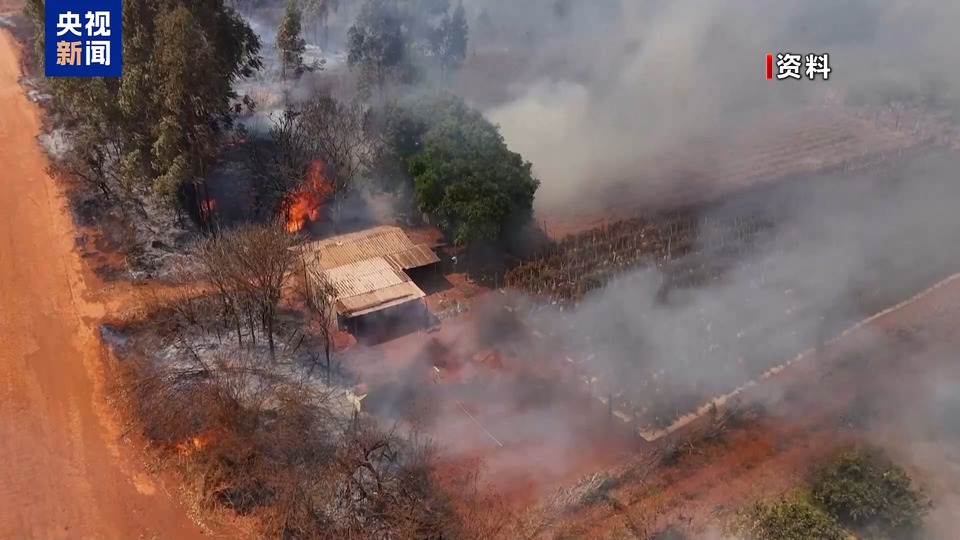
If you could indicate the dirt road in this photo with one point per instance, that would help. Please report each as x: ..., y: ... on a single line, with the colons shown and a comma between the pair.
x: 63, y: 472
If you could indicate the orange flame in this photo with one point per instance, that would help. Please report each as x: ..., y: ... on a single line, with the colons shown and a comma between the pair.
x: 193, y: 444
x: 304, y: 202
x: 208, y: 206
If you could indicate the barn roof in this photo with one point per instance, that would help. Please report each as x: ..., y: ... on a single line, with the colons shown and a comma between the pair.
x: 366, y: 268
x: 387, y: 242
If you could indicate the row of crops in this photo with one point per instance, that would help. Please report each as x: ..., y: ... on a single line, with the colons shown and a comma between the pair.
x: 724, y: 344
x: 585, y: 262
x: 575, y: 265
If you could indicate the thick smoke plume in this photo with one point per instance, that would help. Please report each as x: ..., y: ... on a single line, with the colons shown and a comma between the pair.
x: 610, y: 87
x: 662, y: 75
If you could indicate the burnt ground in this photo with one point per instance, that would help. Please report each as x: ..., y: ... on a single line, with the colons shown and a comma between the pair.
x: 506, y: 408
x: 891, y: 383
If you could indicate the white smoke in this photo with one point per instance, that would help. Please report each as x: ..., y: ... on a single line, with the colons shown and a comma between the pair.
x: 668, y: 74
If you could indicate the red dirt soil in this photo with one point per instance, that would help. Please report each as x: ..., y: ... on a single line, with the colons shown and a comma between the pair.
x: 63, y: 471
x: 527, y: 448
x: 892, y: 361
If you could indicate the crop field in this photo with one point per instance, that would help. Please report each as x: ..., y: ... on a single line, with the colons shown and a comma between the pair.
x: 581, y: 263
x: 793, y: 146
x: 730, y: 337
x: 696, y: 247
x: 655, y: 396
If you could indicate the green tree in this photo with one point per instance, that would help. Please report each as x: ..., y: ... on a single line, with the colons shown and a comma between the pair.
x: 376, y: 44
x: 394, y: 39
x: 319, y: 11
x: 290, y: 42
x: 466, y: 178
x: 793, y: 518
x: 451, y: 42
x: 158, y: 126
x: 863, y: 490
x: 485, y: 26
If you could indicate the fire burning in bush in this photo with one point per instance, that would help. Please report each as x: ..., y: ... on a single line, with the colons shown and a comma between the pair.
x: 207, y: 207
x: 304, y: 202
x: 194, y: 444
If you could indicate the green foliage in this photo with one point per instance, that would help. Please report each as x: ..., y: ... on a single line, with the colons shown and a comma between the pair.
x: 863, y: 490
x: 376, y: 43
x: 393, y: 39
x: 793, y: 518
x: 158, y: 126
x: 457, y: 36
x: 33, y: 11
x: 319, y: 11
x: 463, y: 173
x: 450, y: 41
x: 290, y: 43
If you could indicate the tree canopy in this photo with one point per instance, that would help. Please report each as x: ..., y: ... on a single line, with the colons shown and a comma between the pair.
x: 451, y: 40
x: 319, y: 11
x: 463, y: 174
x: 396, y: 39
x: 157, y: 127
x: 793, y: 518
x: 864, y: 491
x: 290, y: 42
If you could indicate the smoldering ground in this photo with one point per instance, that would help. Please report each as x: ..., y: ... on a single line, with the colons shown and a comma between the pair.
x: 843, y: 247
x: 660, y: 75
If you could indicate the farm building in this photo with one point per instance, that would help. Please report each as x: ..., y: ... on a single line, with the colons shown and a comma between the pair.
x: 368, y: 270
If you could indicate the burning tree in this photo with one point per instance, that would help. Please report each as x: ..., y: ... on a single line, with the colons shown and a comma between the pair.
x: 281, y: 162
x: 304, y: 202
x: 317, y: 152
x: 340, y: 132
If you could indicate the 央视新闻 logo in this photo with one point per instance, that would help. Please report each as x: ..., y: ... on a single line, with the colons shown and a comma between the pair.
x: 82, y: 38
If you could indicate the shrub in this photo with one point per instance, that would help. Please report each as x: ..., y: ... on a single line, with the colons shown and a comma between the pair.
x: 794, y: 518
x: 865, y: 491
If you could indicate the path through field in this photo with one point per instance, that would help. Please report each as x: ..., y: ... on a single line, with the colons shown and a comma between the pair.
x: 63, y: 473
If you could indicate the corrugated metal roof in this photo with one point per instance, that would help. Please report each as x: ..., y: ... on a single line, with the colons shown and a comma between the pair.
x: 376, y: 242
x: 363, y: 277
x: 393, y: 295
x: 415, y: 257
x: 366, y: 268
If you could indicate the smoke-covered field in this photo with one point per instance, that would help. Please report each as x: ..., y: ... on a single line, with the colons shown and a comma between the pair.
x: 600, y: 99
x: 622, y: 106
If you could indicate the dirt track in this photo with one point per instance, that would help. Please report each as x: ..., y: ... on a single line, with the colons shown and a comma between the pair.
x: 63, y: 473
